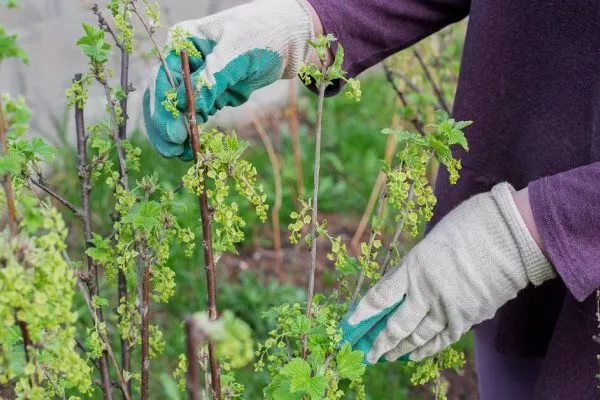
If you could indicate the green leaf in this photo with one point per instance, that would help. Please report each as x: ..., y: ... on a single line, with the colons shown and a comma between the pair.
x: 463, y: 124
x: 280, y: 389
x: 300, y: 325
x: 456, y: 136
x: 11, y: 163
x: 144, y: 215
x: 93, y: 44
x: 299, y: 373
x: 349, y: 363
x: 42, y: 149
x: 441, y: 149
x: 9, y: 47
x: 298, y: 370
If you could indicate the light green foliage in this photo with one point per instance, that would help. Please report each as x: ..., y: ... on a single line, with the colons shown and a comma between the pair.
x: 311, y: 73
x: 37, y: 285
x: 122, y: 14
x: 180, y: 372
x: 94, y: 45
x: 300, y: 219
x: 328, y: 362
x: 9, y: 47
x: 152, y: 11
x: 430, y: 369
x: 179, y: 41
x: 170, y: 102
x: 8, y: 43
x: 77, y: 93
x: 220, y: 165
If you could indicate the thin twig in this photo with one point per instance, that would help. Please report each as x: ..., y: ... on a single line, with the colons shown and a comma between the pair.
x: 405, y: 79
x: 205, y: 215
x: 158, y: 49
x: 432, y: 82
x: 390, y: 78
x: 315, y: 205
x: 78, y: 213
x: 390, y: 147
x: 103, y: 24
x: 399, y: 229
x: 122, y: 160
x: 111, y: 354
x: 277, y: 204
x: 296, y: 148
x: 85, y: 189
x: 374, y: 233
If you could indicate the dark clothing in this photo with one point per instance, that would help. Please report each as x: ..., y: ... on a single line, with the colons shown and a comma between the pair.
x: 530, y: 81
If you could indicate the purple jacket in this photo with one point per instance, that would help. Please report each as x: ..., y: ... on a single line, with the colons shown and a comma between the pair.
x: 530, y: 81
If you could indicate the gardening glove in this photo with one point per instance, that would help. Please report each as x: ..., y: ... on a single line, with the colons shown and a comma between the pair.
x: 243, y: 49
x: 473, y: 261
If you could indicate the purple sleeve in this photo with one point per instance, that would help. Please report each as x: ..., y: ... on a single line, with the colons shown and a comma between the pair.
x: 566, y: 209
x: 371, y: 30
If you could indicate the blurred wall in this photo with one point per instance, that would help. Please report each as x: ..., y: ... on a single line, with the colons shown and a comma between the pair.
x: 48, y: 30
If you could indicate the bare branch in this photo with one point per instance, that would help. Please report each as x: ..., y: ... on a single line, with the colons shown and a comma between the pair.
x: 205, y: 215
x: 83, y: 173
x: 314, y: 223
x: 390, y: 78
x: 432, y: 82
x: 158, y: 49
x: 78, y: 213
x: 191, y: 333
x: 278, y: 195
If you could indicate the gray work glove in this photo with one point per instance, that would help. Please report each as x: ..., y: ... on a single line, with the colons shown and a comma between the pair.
x: 475, y: 259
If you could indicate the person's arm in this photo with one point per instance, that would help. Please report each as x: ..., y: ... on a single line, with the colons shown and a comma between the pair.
x: 372, y: 30
x: 566, y: 210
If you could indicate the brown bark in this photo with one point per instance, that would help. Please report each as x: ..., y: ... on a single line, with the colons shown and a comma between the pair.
x: 205, y: 215
x: 193, y: 386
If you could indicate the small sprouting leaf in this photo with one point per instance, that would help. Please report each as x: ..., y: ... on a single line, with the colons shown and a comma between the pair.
x: 42, y: 149
x: 93, y: 44
x: 456, y: 136
x: 463, y: 124
x: 11, y: 163
x: 280, y: 389
x: 9, y: 47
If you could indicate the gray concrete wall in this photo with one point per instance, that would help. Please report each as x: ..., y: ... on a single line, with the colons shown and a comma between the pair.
x: 48, y: 30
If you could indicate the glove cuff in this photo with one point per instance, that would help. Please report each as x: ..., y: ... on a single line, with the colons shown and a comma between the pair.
x: 537, y: 266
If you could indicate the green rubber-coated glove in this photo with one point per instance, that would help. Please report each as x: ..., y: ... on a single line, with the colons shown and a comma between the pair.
x: 475, y: 259
x: 243, y: 49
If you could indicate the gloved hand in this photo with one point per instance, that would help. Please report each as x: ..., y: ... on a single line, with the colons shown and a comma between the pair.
x: 474, y: 260
x: 243, y: 49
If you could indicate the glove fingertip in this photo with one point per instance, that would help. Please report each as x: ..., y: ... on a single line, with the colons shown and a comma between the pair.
x: 176, y: 130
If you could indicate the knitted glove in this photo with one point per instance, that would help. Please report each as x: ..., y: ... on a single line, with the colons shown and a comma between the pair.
x: 243, y: 49
x: 475, y: 259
